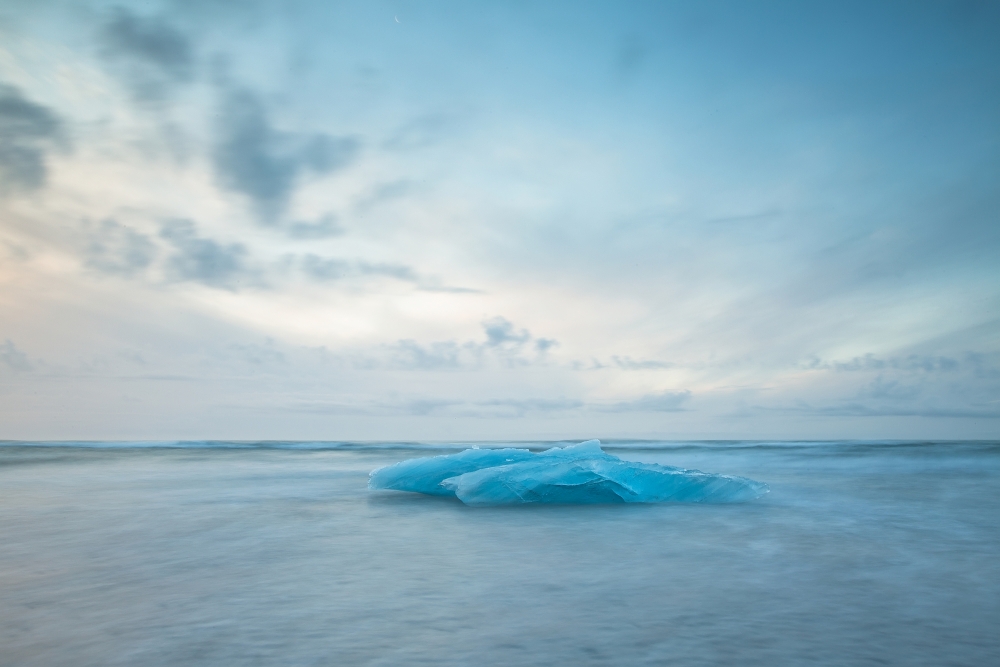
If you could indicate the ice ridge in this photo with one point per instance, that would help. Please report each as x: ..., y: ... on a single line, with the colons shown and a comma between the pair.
x: 577, y: 474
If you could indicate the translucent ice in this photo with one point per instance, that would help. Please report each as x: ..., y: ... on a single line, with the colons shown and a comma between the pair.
x: 425, y: 475
x: 579, y: 474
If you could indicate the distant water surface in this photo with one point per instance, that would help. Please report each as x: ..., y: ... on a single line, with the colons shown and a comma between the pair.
x: 208, y: 553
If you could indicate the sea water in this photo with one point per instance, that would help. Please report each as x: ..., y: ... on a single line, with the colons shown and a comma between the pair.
x: 277, y: 554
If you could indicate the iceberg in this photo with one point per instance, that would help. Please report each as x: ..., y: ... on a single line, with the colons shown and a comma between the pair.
x: 425, y: 475
x: 580, y: 474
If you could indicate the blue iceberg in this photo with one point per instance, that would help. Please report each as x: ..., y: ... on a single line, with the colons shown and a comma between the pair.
x: 578, y: 474
x: 425, y: 475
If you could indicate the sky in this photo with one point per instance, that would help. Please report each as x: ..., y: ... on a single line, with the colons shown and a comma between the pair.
x: 485, y: 221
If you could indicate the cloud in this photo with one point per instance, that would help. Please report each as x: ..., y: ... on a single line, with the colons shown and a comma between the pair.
x: 881, y: 388
x: 419, y: 407
x: 860, y: 410
x: 912, y: 362
x: 439, y: 355
x: 504, y: 343
x: 13, y: 358
x: 27, y: 130
x: 509, y: 408
x: 971, y: 365
x: 259, y: 355
x: 630, y: 364
x: 382, y: 193
x: 325, y: 227
x: 150, y: 55
x: 500, y: 333
x: 253, y: 158
x: 523, y: 407
x: 432, y: 286
x: 204, y: 260
x: 494, y: 408
x: 419, y: 133
x: 664, y: 402
x: 985, y: 366
x: 115, y: 249
x: 324, y: 269
x: 543, y: 345
x: 330, y: 269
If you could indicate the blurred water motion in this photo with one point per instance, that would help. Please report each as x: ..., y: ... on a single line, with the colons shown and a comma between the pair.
x: 227, y: 554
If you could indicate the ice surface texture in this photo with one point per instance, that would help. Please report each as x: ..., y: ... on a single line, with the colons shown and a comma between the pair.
x: 578, y: 474
x: 425, y: 475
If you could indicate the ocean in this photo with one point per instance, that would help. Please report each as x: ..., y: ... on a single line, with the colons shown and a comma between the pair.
x: 221, y: 553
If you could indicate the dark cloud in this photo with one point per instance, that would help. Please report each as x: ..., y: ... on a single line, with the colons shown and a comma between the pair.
x: 254, y: 159
x: 150, y: 55
x: 27, y: 131
x: 203, y: 260
x: 113, y: 248
x: 325, y: 227
x: 13, y: 358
